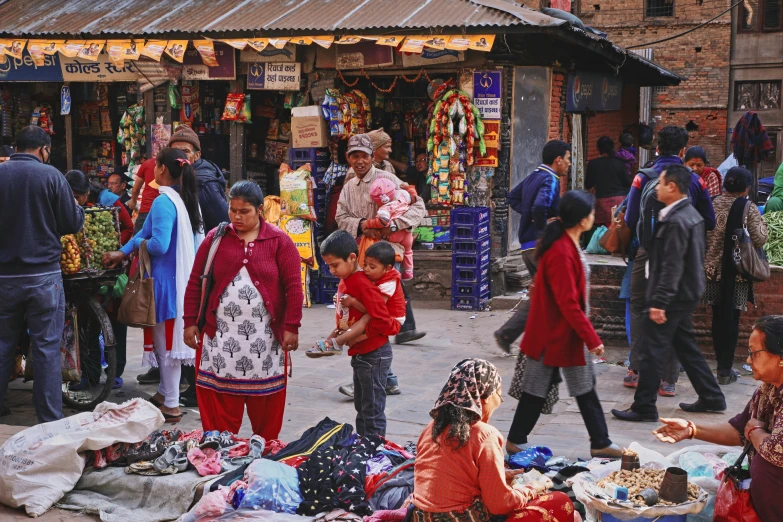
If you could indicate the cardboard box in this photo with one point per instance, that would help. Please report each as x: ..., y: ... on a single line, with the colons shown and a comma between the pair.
x: 308, y: 128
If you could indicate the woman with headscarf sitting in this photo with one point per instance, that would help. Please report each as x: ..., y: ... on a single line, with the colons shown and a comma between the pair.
x: 460, y: 473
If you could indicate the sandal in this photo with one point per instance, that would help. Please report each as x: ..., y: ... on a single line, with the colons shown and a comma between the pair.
x: 257, y: 444
x: 172, y: 419
x: 155, y: 403
x: 172, y: 453
x: 323, y: 348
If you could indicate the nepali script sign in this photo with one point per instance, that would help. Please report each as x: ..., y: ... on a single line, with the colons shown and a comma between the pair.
x: 274, y: 76
x: 79, y: 70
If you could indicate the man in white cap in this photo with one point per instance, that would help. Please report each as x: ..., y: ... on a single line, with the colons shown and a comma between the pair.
x: 355, y: 208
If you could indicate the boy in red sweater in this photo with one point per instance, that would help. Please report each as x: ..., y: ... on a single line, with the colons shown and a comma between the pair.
x: 370, y: 358
x: 379, y: 268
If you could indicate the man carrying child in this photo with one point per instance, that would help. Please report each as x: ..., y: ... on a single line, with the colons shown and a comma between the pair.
x: 370, y: 351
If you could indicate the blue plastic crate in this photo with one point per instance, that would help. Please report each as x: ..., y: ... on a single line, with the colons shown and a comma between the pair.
x: 470, y: 260
x: 311, y: 155
x: 467, y: 246
x: 469, y: 303
x: 328, y: 282
x: 319, y: 197
x: 470, y: 216
x: 470, y: 274
x: 316, y: 169
x: 478, y: 289
x: 460, y: 231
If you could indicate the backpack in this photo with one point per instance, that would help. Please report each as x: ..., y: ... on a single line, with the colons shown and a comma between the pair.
x: 648, y: 209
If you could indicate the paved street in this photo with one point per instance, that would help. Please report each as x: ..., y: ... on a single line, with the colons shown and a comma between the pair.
x: 422, y: 369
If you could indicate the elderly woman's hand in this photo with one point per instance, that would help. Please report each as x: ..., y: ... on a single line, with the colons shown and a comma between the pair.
x: 752, y: 424
x: 673, y: 430
x: 290, y: 341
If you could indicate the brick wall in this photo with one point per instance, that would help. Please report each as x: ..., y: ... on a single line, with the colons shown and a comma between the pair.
x: 702, y: 57
x: 612, y: 123
x: 557, y: 105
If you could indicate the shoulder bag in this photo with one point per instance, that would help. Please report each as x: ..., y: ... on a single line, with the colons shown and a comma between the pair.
x: 138, y: 302
x: 750, y: 262
x: 618, y: 237
x: 207, y: 281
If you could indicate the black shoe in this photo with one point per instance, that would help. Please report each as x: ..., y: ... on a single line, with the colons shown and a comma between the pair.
x: 409, y: 336
x: 151, y: 377
x: 632, y: 416
x: 727, y: 378
x: 503, y: 343
x: 701, y: 406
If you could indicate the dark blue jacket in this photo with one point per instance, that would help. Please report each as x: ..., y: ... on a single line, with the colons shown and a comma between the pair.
x: 211, y: 194
x: 36, y: 208
x: 536, y: 199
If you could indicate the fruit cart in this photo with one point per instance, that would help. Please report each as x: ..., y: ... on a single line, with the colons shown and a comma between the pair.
x: 88, y: 347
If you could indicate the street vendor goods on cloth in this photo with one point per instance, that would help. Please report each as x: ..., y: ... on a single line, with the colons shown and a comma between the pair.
x: 40, y: 464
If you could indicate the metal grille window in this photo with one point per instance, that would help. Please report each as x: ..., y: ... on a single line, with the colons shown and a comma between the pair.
x: 660, y: 8
x: 758, y: 96
x: 761, y: 15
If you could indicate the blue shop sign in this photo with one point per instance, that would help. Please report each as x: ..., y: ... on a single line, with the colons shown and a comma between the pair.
x: 486, y: 93
x: 24, y: 70
x: 593, y: 91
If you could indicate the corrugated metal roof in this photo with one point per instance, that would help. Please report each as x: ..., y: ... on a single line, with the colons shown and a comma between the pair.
x: 158, y: 17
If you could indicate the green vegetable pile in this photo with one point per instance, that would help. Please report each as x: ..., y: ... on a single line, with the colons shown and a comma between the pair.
x: 774, y: 245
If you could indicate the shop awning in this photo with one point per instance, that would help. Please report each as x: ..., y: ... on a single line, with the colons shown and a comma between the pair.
x: 245, y: 18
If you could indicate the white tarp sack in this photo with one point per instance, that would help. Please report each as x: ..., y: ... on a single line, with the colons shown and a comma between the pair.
x: 728, y: 163
x: 596, y: 500
x: 40, y: 464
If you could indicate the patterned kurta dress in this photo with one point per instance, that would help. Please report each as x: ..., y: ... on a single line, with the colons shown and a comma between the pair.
x: 243, y: 358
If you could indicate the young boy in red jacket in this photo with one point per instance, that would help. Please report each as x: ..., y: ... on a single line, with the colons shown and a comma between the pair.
x: 379, y: 268
x: 370, y: 358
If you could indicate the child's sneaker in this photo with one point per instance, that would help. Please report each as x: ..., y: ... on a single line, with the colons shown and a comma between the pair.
x: 323, y: 348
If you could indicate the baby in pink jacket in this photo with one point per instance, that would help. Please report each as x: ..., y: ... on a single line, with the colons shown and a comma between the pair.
x: 392, y: 204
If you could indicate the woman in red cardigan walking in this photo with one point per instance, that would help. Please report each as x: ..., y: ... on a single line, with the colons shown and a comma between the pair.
x: 559, y: 333
x: 252, y: 321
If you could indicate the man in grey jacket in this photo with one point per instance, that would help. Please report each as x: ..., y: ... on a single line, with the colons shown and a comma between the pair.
x: 36, y: 208
x: 676, y: 283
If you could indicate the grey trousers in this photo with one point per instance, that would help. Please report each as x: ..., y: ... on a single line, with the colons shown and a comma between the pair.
x: 670, y: 365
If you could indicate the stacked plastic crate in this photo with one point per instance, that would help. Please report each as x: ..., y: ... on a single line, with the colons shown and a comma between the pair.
x: 323, y: 285
x: 470, y: 244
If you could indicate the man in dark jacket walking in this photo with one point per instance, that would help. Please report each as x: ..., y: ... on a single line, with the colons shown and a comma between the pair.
x: 36, y: 208
x: 675, y: 287
x: 536, y: 199
x: 210, y: 180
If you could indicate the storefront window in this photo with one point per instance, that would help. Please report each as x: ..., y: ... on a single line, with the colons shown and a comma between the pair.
x: 757, y: 95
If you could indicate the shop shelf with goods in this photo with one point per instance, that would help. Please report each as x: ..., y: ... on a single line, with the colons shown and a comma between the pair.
x: 33, y: 104
x: 267, y: 138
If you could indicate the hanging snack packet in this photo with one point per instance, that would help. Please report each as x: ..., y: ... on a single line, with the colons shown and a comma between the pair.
x: 233, y: 106
x: 296, y: 192
x: 174, y: 99
x: 245, y: 114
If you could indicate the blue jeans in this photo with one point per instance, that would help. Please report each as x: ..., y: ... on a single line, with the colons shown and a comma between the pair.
x: 41, y: 300
x: 370, y: 372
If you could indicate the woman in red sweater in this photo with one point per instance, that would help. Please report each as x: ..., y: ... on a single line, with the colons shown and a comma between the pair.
x: 253, y: 314
x: 559, y: 333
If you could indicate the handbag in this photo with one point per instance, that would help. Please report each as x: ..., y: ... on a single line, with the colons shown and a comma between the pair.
x: 207, y: 281
x: 138, y: 302
x: 618, y: 236
x: 732, y: 503
x: 750, y: 262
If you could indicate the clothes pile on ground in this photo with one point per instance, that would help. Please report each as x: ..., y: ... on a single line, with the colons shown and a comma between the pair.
x: 119, y: 463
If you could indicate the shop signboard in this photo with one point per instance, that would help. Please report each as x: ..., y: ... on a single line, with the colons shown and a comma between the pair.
x: 193, y: 67
x: 24, y: 70
x: 364, y: 55
x: 269, y: 55
x: 593, y: 91
x: 80, y: 70
x: 486, y: 93
x: 491, y: 141
x: 432, y: 57
x: 274, y: 76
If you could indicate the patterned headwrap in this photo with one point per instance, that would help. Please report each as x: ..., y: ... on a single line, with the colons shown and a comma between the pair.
x: 470, y: 380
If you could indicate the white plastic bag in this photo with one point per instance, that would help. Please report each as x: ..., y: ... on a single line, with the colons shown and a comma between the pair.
x: 40, y: 464
x: 729, y: 162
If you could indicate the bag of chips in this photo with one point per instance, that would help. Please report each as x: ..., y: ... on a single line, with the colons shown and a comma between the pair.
x: 233, y: 107
x: 296, y: 192
x: 245, y: 114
